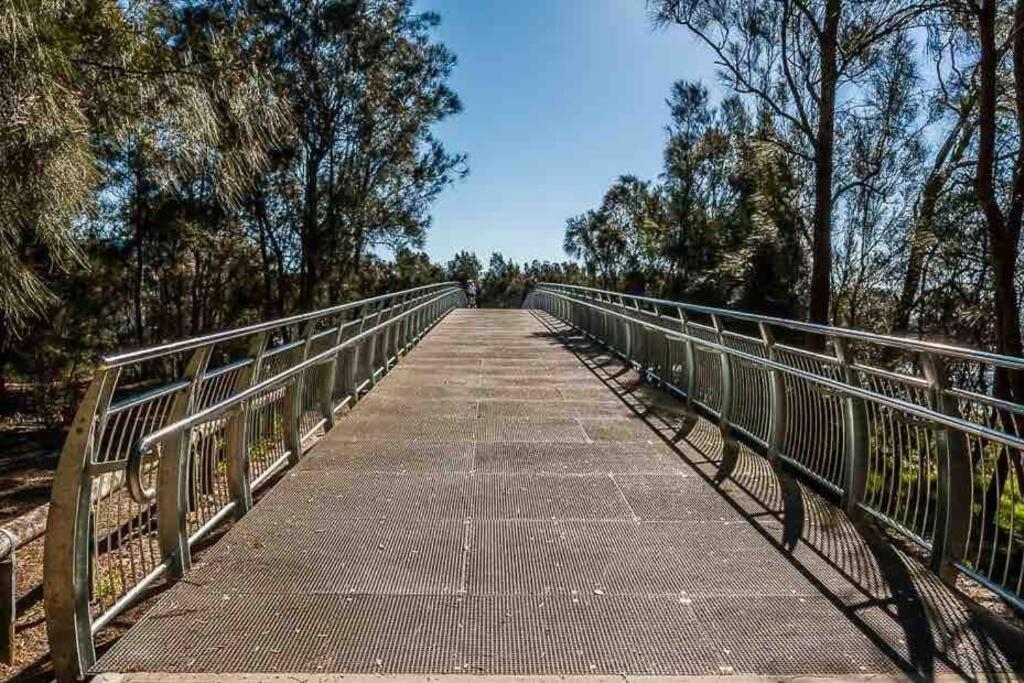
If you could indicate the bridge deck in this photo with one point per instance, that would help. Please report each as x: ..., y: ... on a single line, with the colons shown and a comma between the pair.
x: 497, y: 504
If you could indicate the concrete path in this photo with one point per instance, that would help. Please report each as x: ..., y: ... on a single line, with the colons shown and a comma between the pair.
x: 505, y: 501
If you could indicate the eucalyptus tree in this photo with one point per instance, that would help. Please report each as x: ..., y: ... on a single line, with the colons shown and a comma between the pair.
x: 995, y: 25
x: 801, y: 60
x: 950, y: 159
x: 599, y: 243
x: 883, y: 153
x: 700, y: 154
x: 366, y: 85
x: 633, y: 209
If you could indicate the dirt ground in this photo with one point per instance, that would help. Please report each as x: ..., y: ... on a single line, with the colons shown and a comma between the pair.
x: 28, y: 456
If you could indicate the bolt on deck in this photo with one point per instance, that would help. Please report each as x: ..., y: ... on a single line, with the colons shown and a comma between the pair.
x: 525, y: 512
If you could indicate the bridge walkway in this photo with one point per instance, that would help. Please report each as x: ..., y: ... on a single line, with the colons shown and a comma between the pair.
x: 507, y: 500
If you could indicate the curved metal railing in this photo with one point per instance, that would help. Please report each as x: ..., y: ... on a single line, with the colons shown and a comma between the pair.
x: 172, y: 440
x: 904, y: 431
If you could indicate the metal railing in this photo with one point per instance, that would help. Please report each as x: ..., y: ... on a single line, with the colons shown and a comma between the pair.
x: 170, y: 441
x: 903, y: 431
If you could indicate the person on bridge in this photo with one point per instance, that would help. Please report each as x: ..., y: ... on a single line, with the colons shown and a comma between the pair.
x: 471, y: 291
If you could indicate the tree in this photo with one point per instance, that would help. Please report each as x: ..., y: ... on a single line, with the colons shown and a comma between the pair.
x: 464, y: 268
x: 366, y: 85
x: 1004, y: 220
x: 204, y: 163
x: 795, y: 57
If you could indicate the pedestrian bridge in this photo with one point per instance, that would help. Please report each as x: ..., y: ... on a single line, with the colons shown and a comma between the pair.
x: 593, y: 485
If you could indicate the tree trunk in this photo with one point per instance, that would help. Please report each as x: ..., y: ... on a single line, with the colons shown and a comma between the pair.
x: 310, y: 274
x: 821, y: 249
x: 950, y: 153
x: 259, y: 212
x: 1004, y: 230
x: 138, y: 218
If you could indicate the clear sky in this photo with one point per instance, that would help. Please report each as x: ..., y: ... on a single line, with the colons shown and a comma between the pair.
x: 560, y: 97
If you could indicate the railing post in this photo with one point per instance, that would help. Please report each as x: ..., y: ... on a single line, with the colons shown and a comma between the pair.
x: 381, y: 338
x: 778, y: 416
x: 855, y: 434
x: 401, y: 326
x: 392, y: 340
x: 650, y: 347
x: 625, y: 340
x: 174, y: 485
x: 347, y: 368
x: 730, y: 448
x: 953, y: 511
x: 293, y: 391
x: 367, y: 347
x: 329, y: 377
x: 690, y: 360
x: 236, y: 439
x: 67, y: 554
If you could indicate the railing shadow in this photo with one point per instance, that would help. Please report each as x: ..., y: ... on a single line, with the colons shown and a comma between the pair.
x: 923, y: 625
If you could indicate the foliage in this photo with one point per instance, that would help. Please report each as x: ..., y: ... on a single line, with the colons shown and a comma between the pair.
x: 723, y: 227
x: 836, y: 181
x: 173, y: 167
x: 506, y: 283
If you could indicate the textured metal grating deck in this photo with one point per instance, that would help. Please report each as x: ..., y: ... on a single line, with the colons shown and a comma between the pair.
x: 497, y: 505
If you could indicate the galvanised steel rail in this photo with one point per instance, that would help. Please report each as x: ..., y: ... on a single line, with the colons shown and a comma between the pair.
x: 172, y: 440
x: 902, y: 430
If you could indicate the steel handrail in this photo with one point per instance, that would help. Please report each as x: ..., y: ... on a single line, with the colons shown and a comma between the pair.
x: 183, y: 345
x: 835, y: 385
x: 936, y: 462
x: 904, y: 343
x: 121, y: 519
x: 146, y: 444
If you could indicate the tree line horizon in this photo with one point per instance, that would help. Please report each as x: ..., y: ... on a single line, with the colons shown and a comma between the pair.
x: 178, y: 166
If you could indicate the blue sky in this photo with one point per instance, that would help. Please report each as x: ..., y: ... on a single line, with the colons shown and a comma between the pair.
x: 560, y: 97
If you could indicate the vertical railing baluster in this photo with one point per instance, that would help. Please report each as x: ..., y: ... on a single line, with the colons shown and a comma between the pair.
x: 953, y: 507
x: 855, y: 434
x: 175, y: 472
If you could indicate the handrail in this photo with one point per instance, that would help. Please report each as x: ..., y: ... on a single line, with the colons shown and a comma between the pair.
x: 939, y: 463
x: 146, y: 444
x: 141, y: 480
x: 183, y: 345
x: 841, y: 387
x: 904, y: 343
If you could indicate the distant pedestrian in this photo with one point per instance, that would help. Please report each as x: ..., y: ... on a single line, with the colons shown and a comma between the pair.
x: 471, y: 291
